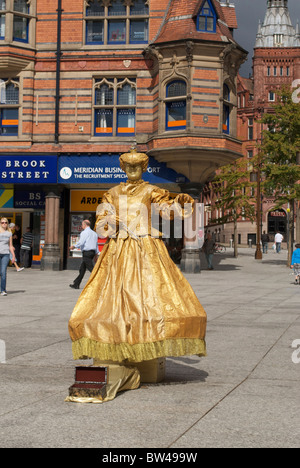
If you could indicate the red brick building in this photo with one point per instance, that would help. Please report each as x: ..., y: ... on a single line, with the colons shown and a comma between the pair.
x: 83, y: 81
x: 276, y: 62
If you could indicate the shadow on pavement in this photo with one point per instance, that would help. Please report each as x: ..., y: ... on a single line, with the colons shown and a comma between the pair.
x: 16, y: 292
x: 182, y: 370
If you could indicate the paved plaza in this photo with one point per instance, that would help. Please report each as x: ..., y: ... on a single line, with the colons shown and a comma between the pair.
x: 245, y: 393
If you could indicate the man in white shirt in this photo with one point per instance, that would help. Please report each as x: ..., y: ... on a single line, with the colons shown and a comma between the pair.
x: 88, y: 244
x: 278, y: 240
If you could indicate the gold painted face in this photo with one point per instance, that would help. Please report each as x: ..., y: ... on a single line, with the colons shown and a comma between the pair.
x: 134, y: 172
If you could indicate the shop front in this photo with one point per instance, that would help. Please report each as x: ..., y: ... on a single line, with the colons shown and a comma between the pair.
x: 277, y: 222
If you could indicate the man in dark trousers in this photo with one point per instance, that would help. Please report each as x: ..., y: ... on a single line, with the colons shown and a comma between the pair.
x: 26, y: 248
x: 88, y: 244
x: 265, y: 240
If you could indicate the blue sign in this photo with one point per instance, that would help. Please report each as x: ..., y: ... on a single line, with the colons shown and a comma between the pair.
x: 106, y: 169
x: 28, y: 169
x: 29, y: 199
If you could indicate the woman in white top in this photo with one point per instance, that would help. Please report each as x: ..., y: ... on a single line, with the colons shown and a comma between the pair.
x: 6, y: 247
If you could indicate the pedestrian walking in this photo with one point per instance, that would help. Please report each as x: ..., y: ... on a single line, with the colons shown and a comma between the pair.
x: 6, y: 248
x: 16, y: 238
x: 278, y: 240
x: 26, y: 248
x: 209, y: 249
x: 88, y: 244
x: 265, y: 241
x: 295, y: 264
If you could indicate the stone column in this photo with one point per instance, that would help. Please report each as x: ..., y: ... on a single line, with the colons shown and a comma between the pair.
x: 51, y: 252
x: 190, y: 259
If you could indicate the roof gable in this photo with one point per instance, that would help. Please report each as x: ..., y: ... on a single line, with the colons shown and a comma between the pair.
x: 180, y: 23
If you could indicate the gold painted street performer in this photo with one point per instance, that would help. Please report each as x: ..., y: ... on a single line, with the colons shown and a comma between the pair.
x: 137, y: 306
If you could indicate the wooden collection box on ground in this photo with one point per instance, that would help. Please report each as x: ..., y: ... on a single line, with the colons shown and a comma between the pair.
x: 90, y: 381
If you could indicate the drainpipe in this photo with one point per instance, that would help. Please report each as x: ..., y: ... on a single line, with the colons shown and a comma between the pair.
x: 58, y: 57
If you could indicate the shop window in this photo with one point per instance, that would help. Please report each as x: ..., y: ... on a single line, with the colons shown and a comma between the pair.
x: 226, y: 109
x: 207, y: 18
x: 17, y: 14
x: 115, y: 107
x: 117, y: 22
x: 9, y: 107
x: 176, y: 105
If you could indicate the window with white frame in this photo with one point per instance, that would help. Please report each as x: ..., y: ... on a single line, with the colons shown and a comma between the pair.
x: 114, y: 107
x: 116, y: 22
x: 9, y: 107
x: 271, y: 96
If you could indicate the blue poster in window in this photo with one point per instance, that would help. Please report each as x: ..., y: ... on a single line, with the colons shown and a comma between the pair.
x: 28, y: 169
x: 106, y: 169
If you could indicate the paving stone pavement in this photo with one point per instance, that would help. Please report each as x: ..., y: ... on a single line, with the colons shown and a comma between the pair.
x: 245, y: 393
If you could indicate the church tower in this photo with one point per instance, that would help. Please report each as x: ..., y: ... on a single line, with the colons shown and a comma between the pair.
x: 277, y: 29
x: 276, y: 62
x: 276, y: 58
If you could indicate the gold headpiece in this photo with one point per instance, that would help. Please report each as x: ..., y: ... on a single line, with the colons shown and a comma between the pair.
x: 134, y: 159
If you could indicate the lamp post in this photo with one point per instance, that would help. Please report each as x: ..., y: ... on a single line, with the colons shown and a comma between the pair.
x: 256, y: 177
x: 298, y: 206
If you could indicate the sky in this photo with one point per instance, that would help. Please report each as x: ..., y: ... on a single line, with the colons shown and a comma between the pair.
x: 249, y: 12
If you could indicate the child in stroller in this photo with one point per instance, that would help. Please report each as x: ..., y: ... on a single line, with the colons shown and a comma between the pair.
x: 296, y: 263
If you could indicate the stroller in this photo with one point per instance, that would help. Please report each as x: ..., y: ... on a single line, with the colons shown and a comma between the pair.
x: 297, y: 273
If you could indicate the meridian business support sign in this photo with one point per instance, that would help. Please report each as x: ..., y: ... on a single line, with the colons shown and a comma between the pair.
x: 106, y: 169
x: 43, y: 169
x: 25, y: 169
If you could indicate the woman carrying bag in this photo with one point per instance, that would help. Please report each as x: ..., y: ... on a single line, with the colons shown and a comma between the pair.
x: 6, y: 248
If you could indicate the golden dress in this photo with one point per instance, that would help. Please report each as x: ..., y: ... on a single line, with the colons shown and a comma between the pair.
x: 137, y: 305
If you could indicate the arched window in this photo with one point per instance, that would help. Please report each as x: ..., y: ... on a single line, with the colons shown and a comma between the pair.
x: 114, y: 107
x: 117, y: 22
x: 9, y: 107
x: 207, y: 18
x: 176, y: 105
x: 226, y: 109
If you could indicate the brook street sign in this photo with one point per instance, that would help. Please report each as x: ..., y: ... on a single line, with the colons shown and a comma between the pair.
x: 33, y: 169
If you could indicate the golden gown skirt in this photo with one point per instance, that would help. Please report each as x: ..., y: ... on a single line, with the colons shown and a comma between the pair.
x: 137, y: 306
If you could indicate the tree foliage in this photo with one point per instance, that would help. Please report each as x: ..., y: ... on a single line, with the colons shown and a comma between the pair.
x: 281, y: 142
x: 278, y: 155
x: 234, y: 194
